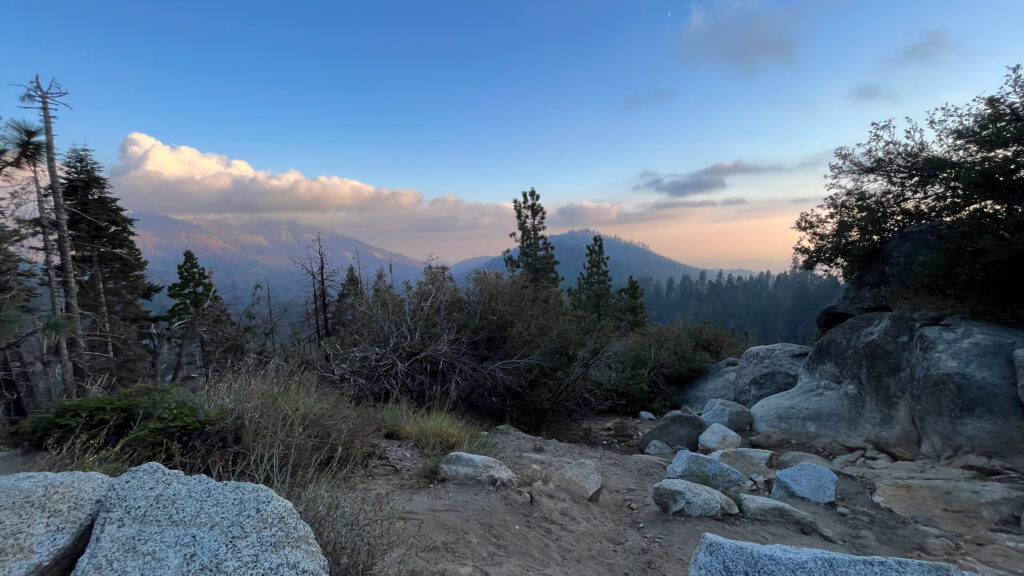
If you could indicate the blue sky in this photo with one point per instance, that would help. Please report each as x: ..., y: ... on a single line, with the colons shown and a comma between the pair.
x: 612, y: 109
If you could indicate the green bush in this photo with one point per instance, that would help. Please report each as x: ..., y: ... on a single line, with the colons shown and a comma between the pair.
x: 153, y: 422
x: 661, y: 357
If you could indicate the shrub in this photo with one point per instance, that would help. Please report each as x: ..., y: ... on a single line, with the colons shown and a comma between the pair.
x: 152, y: 422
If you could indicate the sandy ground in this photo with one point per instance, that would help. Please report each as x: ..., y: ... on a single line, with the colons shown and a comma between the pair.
x: 541, y: 529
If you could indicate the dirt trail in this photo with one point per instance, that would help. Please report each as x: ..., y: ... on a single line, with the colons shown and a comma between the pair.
x: 541, y: 529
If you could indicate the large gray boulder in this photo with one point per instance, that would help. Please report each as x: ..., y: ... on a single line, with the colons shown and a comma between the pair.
x: 45, y: 520
x: 717, y: 556
x: 888, y: 275
x: 761, y: 371
x: 910, y: 384
x: 705, y: 470
x: 688, y: 499
x: 676, y: 428
x: 727, y: 413
x: 806, y: 481
x: 157, y: 521
x: 461, y: 467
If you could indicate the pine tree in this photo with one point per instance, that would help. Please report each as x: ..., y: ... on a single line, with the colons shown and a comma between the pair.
x: 28, y: 151
x: 536, y: 257
x: 192, y: 294
x: 113, y: 279
x: 629, y: 301
x: 592, y: 296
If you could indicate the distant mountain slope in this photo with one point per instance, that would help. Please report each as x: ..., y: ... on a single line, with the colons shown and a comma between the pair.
x: 243, y: 252
x: 625, y: 258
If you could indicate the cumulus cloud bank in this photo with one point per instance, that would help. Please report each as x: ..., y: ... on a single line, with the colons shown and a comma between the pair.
x: 180, y: 180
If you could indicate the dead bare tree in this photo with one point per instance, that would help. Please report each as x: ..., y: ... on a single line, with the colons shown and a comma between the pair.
x: 43, y: 99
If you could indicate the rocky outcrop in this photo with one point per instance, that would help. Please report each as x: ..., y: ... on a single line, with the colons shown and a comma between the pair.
x: 910, y: 384
x: 761, y: 371
x: 873, y: 289
x: 717, y: 556
x: 704, y: 470
x: 718, y: 437
x: 46, y: 519
x: 157, y: 521
x: 472, y: 468
x: 676, y: 428
x: 806, y: 481
x: 730, y: 414
x: 583, y: 478
x: 689, y: 499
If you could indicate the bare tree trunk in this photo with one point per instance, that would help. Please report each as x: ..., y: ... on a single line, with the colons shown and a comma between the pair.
x: 323, y: 286
x: 104, y: 312
x: 67, y: 370
x: 63, y: 241
x: 179, y: 360
x: 159, y: 343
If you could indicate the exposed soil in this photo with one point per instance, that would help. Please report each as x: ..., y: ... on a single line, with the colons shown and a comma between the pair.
x: 538, y: 528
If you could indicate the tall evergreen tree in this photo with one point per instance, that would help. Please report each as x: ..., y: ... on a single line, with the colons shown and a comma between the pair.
x: 29, y: 151
x: 630, y: 307
x: 192, y: 294
x: 536, y: 257
x: 592, y: 296
x: 113, y: 281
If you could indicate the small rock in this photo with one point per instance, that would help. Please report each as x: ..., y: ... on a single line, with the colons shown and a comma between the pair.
x: 750, y: 461
x: 659, y: 448
x: 769, y: 439
x: 790, y: 459
x: 727, y: 413
x: 681, y: 497
x: 704, y: 470
x: 463, y: 467
x: 846, y: 459
x: 647, y: 416
x: 718, y: 437
x: 583, y: 478
x: 767, y: 510
x: 843, y: 511
x: 937, y: 546
x: 807, y: 481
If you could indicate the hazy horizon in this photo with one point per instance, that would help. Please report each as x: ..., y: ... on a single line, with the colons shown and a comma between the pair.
x: 700, y: 129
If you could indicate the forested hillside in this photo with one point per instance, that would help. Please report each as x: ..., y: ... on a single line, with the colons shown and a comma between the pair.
x: 762, y: 309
